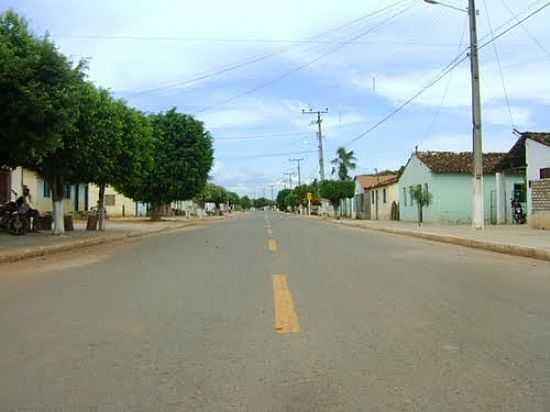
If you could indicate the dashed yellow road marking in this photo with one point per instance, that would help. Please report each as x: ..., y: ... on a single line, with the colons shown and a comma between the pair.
x: 286, y: 319
x: 272, y: 245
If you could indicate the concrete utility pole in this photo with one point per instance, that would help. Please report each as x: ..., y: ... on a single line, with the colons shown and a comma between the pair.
x: 289, y: 174
x: 320, y: 136
x: 478, y: 204
x: 478, y: 213
x: 299, y: 169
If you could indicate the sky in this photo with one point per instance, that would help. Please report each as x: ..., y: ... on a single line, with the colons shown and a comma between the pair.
x: 248, y: 68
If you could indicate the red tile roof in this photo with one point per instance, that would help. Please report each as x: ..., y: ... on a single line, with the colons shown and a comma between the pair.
x: 372, y: 181
x: 458, y: 163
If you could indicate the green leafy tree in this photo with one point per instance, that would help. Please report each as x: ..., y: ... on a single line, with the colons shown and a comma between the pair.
x: 233, y: 199
x: 183, y: 157
x: 343, y: 163
x: 302, y: 191
x: 292, y: 200
x: 282, y: 198
x: 246, y: 203
x: 212, y: 193
x: 37, y: 102
x: 262, y: 202
x: 115, y: 142
x: 336, y: 190
x: 423, y: 198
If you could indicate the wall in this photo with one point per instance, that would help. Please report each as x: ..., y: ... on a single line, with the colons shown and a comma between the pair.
x: 384, y: 209
x: 537, y: 156
x: 416, y: 173
x: 35, y: 184
x: 122, y: 203
x: 452, y: 195
x: 540, y: 217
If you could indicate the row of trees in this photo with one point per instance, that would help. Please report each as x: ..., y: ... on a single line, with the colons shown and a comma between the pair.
x: 54, y: 121
x: 218, y: 195
x: 332, y: 190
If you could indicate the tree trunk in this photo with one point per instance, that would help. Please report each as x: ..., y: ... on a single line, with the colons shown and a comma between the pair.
x: 101, y: 208
x: 420, y: 215
x: 156, y: 213
x: 58, y: 194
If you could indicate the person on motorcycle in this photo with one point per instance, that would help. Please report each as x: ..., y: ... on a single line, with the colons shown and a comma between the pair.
x: 24, y: 206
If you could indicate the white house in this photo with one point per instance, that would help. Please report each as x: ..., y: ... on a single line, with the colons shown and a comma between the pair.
x: 530, y: 156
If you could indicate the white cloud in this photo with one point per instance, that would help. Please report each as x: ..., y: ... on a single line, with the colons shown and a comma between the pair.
x: 522, y: 84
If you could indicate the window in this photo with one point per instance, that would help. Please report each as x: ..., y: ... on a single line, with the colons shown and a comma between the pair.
x: 405, y: 196
x: 411, y: 189
x: 384, y: 195
x: 545, y: 173
x: 46, y: 192
x: 110, y: 200
x: 67, y: 191
x: 372, y: 196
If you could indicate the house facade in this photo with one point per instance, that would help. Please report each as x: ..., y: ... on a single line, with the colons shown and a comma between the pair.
x: 530, y: 156
x: 448, y: 177
x: 384, y: 198
x: 78, y: 197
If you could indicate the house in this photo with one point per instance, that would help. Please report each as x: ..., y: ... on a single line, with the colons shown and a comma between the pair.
x: 448, y: 177
x: 530, y: 156
x: 384, y: 197
x: 375, y: 194
x: 78, y: 197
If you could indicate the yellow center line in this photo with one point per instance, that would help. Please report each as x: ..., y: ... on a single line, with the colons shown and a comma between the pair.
x: 286, y: 319
x: 272, y: 245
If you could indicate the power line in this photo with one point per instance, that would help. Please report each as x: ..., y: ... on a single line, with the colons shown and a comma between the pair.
x: 300, y: 67
x: 447, y: 87
x: 267, y: 155
x: 449, y: 68
x: 206, y: 75
x: 501, y: 72
x: 526, y: 30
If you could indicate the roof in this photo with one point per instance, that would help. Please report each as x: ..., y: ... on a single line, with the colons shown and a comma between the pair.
x: 372, y: 181
x: 384, y: 181
x: 515, y: 158
x: 458, y: 163
x: 542, y: 138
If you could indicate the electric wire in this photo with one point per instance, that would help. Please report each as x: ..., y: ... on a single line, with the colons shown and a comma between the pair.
x: 526, y: 30
x: 254, y: 60
x: 500, y: 71
x: 449, y: 68
x: 300, y: 67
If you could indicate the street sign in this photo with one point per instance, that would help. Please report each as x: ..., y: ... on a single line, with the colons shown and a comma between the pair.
x: 309, y: 196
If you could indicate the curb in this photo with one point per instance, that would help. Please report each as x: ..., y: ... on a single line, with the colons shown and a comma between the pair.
x: 80, y: 244
x: 497, y: 247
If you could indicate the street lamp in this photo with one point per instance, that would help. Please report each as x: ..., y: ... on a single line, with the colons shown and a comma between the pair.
x: 478, y: 207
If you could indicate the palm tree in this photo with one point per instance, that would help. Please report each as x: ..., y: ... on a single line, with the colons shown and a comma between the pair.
x: 344, y: 162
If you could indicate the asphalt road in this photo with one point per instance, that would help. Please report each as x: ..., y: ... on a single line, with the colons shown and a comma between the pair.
x: 320, y: 318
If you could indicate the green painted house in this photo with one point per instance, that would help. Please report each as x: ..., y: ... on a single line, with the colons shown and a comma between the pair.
x: 448, y: 177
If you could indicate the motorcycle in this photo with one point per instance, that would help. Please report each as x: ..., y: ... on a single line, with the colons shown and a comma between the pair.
x: 11, y: 220
x: 518, y: 213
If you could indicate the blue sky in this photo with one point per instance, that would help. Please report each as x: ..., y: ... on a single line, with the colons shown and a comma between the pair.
x: 310, y: 55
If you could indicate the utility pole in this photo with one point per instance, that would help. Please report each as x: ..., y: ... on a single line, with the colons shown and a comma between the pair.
x: 272, y: 192
x: 478, y: 206
x: 299, y: 170
x: 478, y: 216
x: 289, y: 174
x: 320, y: 136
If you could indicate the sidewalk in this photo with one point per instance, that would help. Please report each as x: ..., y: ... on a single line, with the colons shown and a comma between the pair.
x: 15, y: 248
x: 518, y: 240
